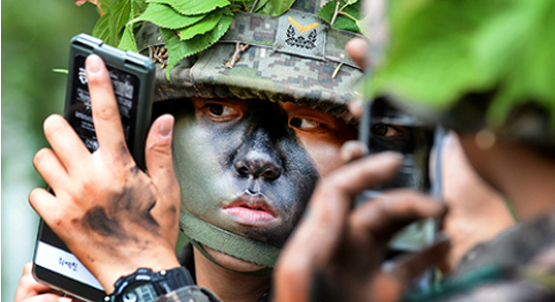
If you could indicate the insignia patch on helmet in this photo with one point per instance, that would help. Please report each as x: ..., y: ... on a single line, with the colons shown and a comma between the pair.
x: 301, y: 34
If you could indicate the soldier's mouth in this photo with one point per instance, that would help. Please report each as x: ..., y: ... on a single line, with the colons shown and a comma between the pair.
x: 251, y: 210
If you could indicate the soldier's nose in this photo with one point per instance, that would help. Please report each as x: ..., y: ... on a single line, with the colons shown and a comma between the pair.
x: 258, y: 164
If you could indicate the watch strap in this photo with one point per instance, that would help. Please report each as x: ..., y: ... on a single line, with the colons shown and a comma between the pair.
x: 144, y: 285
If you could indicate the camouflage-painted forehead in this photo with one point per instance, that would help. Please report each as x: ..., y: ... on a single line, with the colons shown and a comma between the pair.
x: 296, y: 57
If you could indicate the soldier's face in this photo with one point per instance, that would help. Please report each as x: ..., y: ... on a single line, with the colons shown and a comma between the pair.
x: 250, y: 167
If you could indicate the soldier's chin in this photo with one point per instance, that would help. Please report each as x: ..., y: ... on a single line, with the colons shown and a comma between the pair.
x: 229, y: 262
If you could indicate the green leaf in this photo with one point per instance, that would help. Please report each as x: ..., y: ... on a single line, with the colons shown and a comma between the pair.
x: 431, y: 57
x: 166, y: 17
x: 141, y: 5
x: 128, y: 39
x: 344, y: 20
x: 138, y: 8
x: 520, y: 64
x: 105, y: 5
x: 259, y: 5
x: 102, y: 30
x: 177, y: 49
x: 206, y: 24
x: 120, y: 14
x: 326, y: 12
x: 276, y: 7
x: 193, y: 7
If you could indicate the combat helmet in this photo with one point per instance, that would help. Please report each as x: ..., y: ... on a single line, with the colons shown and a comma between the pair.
x: 472, y: 66
x: 255, y: 49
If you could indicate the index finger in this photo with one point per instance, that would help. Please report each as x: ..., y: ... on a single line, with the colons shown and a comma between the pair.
x: 106, y: 117
x: 317, y: 236
x: 333, y: 197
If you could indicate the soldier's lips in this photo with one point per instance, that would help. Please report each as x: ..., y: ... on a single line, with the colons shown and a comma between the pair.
x: 251, y: 210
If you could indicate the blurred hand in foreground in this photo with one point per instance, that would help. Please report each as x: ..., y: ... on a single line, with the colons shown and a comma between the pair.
x: 337, y: 252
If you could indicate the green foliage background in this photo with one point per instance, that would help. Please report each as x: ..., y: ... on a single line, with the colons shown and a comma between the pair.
x: 35, y: 40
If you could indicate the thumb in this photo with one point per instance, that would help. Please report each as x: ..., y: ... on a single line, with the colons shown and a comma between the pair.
x: 158, y: 154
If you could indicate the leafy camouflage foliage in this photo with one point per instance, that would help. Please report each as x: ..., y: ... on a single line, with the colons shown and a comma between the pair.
x: 442, y: 50
x: 344, y: 15
x: 188, y: 26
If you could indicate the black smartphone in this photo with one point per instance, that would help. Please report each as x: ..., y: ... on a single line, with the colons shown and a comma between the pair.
x: 132, y: 78
x: 384, y: 128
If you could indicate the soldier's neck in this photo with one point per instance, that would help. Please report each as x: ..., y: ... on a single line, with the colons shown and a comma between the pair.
x: 227, y: 285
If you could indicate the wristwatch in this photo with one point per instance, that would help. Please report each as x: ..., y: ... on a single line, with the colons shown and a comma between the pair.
x: 144, y: 285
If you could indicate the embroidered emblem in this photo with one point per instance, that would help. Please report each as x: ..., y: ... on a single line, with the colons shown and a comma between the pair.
x: 301, y: 34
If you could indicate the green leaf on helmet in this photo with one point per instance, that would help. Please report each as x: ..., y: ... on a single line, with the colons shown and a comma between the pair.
x: 347, y: 19
x: 141, y: 5
x: 190, y: 8
x: 119, y: 13
x: 166, y: 17
x: 127, y: 41
x: 259, y: 5
x: 101, y: 29
x: 177, y: 49
x: 276, y: 7
x: 207, y: 24
x: 326, y: 12
x: 104, y: 5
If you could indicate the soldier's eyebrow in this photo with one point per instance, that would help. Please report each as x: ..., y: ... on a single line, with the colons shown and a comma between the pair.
x: 235, y: 101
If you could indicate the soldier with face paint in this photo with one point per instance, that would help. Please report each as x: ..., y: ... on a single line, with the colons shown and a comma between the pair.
x: 240, y: 157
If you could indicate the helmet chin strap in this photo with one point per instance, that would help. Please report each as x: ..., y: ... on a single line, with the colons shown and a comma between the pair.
x: 201, y: 234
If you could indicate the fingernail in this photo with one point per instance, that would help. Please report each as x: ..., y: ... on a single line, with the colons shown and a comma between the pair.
x: 395, y: 155
x: 450, y: 140
x: 355, y: 106
x: 352, y: 150
x: 166, y: 127
x: 93, y: 63
x: 65, y: 299
x: 441, y: 237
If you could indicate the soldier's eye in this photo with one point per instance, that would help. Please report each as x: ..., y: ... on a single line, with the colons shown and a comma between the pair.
x: 220, y: 113
x: 304, y: 124
x: 216, y: 109
x: 387, y: 130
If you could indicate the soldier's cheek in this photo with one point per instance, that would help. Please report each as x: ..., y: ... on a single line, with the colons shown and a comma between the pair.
x: 324, y: 152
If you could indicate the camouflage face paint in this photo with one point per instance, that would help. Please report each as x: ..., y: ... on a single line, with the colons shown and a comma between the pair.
x: 241, y: 167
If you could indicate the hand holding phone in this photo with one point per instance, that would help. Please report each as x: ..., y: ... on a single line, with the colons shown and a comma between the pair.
x: 385, y: 128
x: 113, y: 217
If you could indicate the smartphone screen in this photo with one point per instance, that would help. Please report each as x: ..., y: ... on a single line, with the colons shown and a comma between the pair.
x: 54, y: 264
